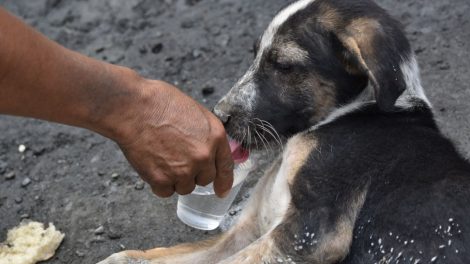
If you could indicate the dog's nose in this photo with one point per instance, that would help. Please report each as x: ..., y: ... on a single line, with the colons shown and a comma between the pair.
x: 224, y: 117
x: 221, y: 110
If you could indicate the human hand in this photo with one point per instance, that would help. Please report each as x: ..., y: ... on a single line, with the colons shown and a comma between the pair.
x: 173, y: 142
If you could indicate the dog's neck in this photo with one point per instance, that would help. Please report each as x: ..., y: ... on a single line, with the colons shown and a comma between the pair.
x: 414, y: 93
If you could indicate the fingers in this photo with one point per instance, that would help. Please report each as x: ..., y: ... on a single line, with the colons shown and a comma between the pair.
x: 207, y: 174
x: 161, y: 185
x: 185, y: 187
x: 224, y: 169
x: 163, y: 191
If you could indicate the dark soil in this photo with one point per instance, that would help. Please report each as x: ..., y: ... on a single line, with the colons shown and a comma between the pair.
x: 81, y: 181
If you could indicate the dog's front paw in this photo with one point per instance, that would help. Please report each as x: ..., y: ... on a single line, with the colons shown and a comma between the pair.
x: 122, y: 258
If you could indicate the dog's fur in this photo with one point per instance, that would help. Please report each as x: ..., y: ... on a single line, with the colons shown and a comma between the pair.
x: 365, y: 176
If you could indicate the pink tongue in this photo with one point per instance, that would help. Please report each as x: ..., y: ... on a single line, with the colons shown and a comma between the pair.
x: 239, y: 154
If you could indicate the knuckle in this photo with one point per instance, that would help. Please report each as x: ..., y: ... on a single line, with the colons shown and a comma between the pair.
x: 204, y: 155
x: 159, y: 180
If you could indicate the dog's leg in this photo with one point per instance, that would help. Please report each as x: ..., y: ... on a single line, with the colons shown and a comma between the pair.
x: 248, y: 229
x: 319, y: 236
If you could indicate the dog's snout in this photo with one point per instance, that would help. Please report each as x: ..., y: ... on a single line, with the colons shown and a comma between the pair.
x: 222, y: 111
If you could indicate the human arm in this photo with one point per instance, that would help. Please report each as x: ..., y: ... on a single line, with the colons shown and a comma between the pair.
x: 171, y: 140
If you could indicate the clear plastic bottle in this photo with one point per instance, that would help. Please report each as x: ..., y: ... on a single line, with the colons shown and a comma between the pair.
x: 202, y: 209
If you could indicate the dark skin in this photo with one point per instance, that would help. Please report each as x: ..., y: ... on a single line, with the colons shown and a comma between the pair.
x: 172, y: 141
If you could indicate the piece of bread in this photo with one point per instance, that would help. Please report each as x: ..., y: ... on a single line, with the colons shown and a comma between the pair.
x: 30, y: 243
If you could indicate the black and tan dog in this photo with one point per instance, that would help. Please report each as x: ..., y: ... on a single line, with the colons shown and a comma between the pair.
x: 365, y: 175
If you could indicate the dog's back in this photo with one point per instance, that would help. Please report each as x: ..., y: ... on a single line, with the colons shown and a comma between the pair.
x: 416, y: 210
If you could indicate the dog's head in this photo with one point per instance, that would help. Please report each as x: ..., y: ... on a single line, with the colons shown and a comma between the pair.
x: 314, y: 57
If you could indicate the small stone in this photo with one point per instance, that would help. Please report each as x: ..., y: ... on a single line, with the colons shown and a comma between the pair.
x: 3, y: 166
x: 187, y: 24
x: 10, y: 176
x: 80, y: 253
x: 101, y: 173
x: 223, y: 40
x: 52, y: 3
x: 39, y: 151
x: 208, y: 90
x: 232, y: 213
x: 25, y: 182
x: 99, y: 230
x: 122, y: 246
x: 157, y: 48
x: 21, y: 148
x: 444, y: 66
x: 97, y: 239
x: 24, y: 216
x: 197, y: 53
x: 420, y: 50
x: 192, y: 2
x: 143, y: 50
x: 115, y: 175
x: 113, y: 234
x: 18, y: 200
x: 139, y: 186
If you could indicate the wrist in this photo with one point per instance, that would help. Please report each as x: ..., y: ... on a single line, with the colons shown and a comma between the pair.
x: 117, y: 113
x: 137, y: 103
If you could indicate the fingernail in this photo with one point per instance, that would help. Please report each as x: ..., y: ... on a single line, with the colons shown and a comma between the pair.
x: 225, y: 194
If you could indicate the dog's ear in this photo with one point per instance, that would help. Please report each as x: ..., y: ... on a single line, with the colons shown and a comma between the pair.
x: 375, y: 45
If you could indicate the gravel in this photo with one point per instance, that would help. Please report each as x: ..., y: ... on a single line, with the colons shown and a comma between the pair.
x: 194, y: 44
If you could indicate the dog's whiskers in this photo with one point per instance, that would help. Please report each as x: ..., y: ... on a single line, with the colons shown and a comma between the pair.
x: 263, y: 140
x: 269, y: 128
x: 268, y: 145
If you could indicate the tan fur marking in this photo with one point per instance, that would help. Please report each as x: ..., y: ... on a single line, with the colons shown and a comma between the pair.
x: 363, y: 30
x: 358, y: 39
x: 261, y: 251
x: 329, y: 17
x: 325, y: 100
x: 335, y: 245
x: 298, y: 149
x: 176, y: 250
x: 357, y: 36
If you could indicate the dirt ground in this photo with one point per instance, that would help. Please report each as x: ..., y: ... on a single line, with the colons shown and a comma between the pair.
x: 81, y: 181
